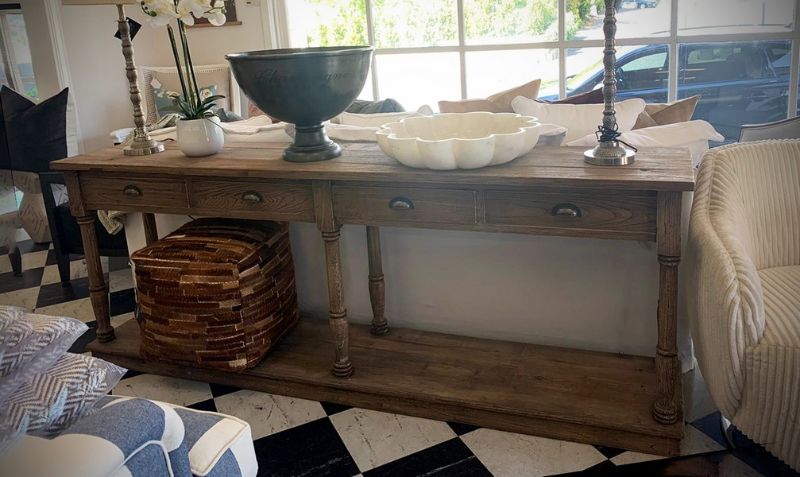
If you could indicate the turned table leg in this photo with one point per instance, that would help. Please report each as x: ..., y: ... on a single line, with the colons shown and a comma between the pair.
x: 377, y: 287
x: 150, y: 229
x: 331, y: 230
x: 97, y: 285
x: 342, y: 367
x: 667, y: 407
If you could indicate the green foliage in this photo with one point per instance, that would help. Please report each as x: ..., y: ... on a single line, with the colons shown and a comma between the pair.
x: 203, y: 110
x: 341, y: 22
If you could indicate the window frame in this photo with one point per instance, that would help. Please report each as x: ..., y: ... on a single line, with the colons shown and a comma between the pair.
x: 275, y: 23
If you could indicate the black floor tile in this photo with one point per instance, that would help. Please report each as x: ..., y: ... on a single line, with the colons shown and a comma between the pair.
x: 461, y: 429
x: 131, y: 374
x: 29, y: 278
x: 117, y: 263
x: 759, y: 458
x: 218, y: 390
x: 603, y: 468
x: 123, y: 301
x: 313, y: 449
x: 55, y: 293
x: 331, y: 408
x: 448, y: 459
x: 79, y: 346
x: 27, y: 246
x: 609, y: 452
x: 207, y: 405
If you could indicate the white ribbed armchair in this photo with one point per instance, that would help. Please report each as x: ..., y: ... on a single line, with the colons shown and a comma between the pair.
x: 744, y: 288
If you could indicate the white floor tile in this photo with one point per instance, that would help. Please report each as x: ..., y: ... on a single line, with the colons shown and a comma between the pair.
x: 120, y: 280
x: 634, y: 458
x: 162, y: 388
x: 269, y: 413
x: 77, y: 269
x: 510, y: 455
x: 26, y: 298
x: 732, y: 466
x: 34, y: 260
x: 80, y: 309
x: 374, y: 438
x: 5, y: 264
x: 120, y: 319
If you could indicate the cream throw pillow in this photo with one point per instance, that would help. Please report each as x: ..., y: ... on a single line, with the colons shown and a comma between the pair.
x: 579, y: 119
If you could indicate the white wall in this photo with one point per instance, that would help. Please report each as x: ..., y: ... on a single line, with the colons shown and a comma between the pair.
x: 97, y: 68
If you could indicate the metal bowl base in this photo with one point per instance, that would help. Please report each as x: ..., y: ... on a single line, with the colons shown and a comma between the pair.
x: 311, y: 144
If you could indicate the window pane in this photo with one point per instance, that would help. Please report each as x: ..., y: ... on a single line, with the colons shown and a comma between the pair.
x: 635, y: 19
x: 420, y: 78
x: 642, y: 71
x: 489, y: 72
x: 510, y: 21
x: 712, y: 17
x: 406, y: 23
x: 738, y: 82
x: 327, y: 22
x: 17, y: 56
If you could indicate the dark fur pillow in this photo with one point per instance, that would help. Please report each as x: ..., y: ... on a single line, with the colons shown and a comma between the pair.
x: 36, y: 134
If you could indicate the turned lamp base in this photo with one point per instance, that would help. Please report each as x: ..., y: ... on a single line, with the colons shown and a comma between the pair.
x: 152, y: 147
x: 609, y: 154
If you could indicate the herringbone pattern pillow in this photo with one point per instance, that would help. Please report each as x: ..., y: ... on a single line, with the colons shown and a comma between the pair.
x: 54, y: 400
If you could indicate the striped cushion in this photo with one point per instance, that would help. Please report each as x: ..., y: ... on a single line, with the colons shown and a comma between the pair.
x: 54, y: 400
x: 30, y: 343
x: 781, y: 287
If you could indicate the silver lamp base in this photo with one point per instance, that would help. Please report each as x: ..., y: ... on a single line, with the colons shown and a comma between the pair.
x: 609, y: 154
x: 142, y: 144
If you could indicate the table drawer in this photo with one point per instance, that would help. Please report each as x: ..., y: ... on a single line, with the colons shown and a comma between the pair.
x: 264, y: 199
x: 579, y: 212
x: 132, y: 193
x: 404, y: 205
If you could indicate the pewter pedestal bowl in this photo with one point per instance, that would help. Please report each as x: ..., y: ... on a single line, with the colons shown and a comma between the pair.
x: 305, y: 87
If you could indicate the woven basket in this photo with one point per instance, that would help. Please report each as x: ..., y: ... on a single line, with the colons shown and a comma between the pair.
x: 216, y: 293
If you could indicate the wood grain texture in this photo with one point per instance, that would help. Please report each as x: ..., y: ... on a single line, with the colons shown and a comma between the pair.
x: 655, y: 168
x: 331, y: 232
x: 583, y: 396
x: 146, y: 194
x: 667, y: 409
x: 623, y: 215
x: 370, y: 205
x: 98, y: 291
x: 377, y: 286
x: 277, y: 200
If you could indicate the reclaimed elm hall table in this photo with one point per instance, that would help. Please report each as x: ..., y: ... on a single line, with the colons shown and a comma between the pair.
x: 601, y: 398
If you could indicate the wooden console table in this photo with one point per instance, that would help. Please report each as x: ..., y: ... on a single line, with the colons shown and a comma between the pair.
x: 601, y: 398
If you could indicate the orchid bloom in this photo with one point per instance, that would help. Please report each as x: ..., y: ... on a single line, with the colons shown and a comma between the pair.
x: 161, y: 12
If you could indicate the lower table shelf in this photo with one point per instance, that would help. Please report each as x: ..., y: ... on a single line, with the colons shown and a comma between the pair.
x: 583, y: 396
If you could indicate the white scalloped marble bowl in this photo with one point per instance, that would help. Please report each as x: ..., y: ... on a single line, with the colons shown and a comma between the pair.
x: 459, y: 140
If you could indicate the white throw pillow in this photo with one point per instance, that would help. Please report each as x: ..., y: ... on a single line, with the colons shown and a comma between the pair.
x: 579, y: 119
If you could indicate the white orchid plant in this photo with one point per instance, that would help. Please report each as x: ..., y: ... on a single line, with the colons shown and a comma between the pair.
x: 190, y: 104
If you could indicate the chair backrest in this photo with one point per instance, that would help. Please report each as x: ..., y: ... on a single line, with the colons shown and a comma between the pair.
x: 785, y: 129
x: 755, y: 196
x: 218, y: 76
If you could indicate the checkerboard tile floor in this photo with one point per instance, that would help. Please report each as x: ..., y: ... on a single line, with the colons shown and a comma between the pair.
x: 297, y: 437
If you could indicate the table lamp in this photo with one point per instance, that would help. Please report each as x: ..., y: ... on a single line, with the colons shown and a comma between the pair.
x: 142, y: 144
x: 609, y: 150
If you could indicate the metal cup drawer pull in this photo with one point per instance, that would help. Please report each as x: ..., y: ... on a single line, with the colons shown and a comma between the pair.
x: 132, y: 191
x: 252, y: 197
x: 401, y: 203
x: 566, y: 210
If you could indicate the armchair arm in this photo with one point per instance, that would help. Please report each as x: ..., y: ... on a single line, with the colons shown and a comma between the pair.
x: 725, y: 297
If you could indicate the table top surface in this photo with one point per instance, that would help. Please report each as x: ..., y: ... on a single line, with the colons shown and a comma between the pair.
x: 660, y: 169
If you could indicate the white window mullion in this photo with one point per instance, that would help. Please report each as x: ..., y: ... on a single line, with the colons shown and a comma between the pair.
x: 562, y: 51
x: 795, y: 65
x: 672, y: 78
x: 462, y: 54
x: 376, y: 94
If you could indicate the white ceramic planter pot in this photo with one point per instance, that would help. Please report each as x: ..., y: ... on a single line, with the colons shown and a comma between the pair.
x: 200, y: 137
